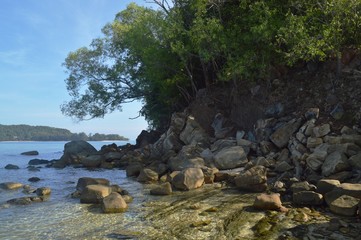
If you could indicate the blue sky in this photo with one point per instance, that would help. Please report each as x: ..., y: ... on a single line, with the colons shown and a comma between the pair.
x: 36, y: 36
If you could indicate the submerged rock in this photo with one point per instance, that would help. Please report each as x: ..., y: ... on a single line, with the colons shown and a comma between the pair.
x: 30, y: 153
x: 11, y: 185
x: 163, y: 189
x: 254, y: 179
x: 11, y: 167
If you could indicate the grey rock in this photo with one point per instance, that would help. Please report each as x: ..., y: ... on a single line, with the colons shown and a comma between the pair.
x: 283, y: 167
x: 355, y: 161
x: 92, y: 161
x: 34, y: 179
x: 30, y: 153
x: 302, y: 186
x: 133, y: 170
x: 254, y: 179
x: 85, y: 181
x: 314, y: 142
x: 338, y: 112
x: 321, y: 131
x: 38, y: 161
x: 11, y: 167
x: 334, y: 163
x: 282, y: 135
x: 231, y: 157
x: 349, y: 189
x: 76, y: 151
x: 307, y: 198
x: 193, y: 133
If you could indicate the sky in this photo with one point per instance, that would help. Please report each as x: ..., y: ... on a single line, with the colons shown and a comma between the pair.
x: 35, y: 38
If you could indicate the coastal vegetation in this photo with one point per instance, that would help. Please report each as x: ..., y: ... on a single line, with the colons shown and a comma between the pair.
x: 44, y: 133
x: 163, y: 56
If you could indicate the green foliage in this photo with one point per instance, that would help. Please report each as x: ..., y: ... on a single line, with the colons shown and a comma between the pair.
x: 164, y: 56
x: 44, y: 133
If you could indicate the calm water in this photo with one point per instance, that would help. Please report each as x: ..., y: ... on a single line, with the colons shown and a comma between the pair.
x: 61, y: 217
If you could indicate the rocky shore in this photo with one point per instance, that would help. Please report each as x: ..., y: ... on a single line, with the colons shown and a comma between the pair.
x: 292, y: 178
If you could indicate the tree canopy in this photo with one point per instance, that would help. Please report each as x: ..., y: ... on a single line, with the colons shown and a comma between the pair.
x: 163, y: 56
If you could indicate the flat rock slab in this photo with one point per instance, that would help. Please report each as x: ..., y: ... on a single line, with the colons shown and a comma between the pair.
x: 345, y: 205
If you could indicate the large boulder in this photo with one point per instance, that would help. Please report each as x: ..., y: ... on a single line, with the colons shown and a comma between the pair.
x: 334, y: 163
x: 76, y: 151
x: 114, y: 203
x: 92, y: 161
x: 94, y: 193
x: 254, y: 179
x: 85, y: 181
x: 193, y: 133
x: 188, y: 157
x: 231, y: 157
x: 190, y: 178
x: 147, y: 175
x: 282, y: 135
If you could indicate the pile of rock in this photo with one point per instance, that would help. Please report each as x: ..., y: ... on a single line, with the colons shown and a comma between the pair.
x: 112, y: 198
x: 42, y: 193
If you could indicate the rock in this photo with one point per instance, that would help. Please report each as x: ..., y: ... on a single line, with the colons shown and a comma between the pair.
x: 355, y: 161
x: 11, y: 167
x: 190, y: 178
x: 163, y: 189
x: 349, y: 189
x: 30, y: 153
x: 349, y: 149
x: 321, y: 131
x: 34, y: 179
x: 20, y: 201
x: 85, y: 181
x: 337, y: 112
x: 316, y: 159
x: 133, y: 170
x: 326, y: 185
x: 11, y: 185
x: 209, y: 175
x: 92, y: 161
x: 254, y: 179
x: 114, y: 203
x: 269, y: 202
x: 312, y: 113
x: 302, y: 186
x: 147, y: 175
x: 219, y: 130
x: 43, y: 191
x: 275, y: 110
x: 345, y: 205
x: 231, y: 157
x: 334, y: 163
x: 29, y: 189
x: 283, y: 167
x: 314, y: 142
x: 94, y: 193
x: 282, y: 135
x: 188, y: 157
x: 240, y: 136
x: 76, y: 151
x: 307, y: 198
x: 33, y: 169
x: 37, y: 161
x: 193, y: 133
x: 222, y: 143
x: 145, y: 138
x: 127, y: 198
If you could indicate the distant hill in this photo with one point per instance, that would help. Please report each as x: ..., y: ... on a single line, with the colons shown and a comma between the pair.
x: 43, y: 133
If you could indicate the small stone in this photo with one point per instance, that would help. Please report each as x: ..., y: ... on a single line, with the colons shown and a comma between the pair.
x: 314, y: 142
x: 337, y: 112
x: 283, y: 167
x: 11, y: 167
x: 34, y: 179
x: 43, y: 191
x: 322, y: 131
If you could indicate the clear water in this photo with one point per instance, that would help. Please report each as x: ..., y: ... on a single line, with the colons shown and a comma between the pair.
x: 61, y: 217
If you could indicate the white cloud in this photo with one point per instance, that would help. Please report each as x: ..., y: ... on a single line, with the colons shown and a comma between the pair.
x: 14, y: 57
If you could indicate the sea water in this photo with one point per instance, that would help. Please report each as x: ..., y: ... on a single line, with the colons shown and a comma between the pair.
x: 60, y: 217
